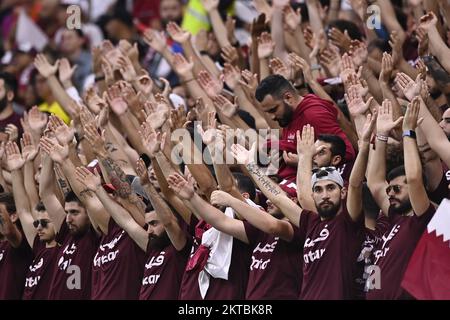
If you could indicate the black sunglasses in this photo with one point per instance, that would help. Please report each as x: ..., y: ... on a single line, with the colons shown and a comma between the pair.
x: 43, y: 222
x: 323, y: 172
x: 395, y: 187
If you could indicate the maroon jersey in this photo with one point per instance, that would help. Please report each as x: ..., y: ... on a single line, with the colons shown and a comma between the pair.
x: 329, y: 255
x: 392, y: 256
x: 13, y: 268
x: 163, y: 272
x: 72, y: 272
x: 219, y: 289
x: 276, y: 267
x: 322, y: 115
x: 442, y: 191
x: 117, y: 268
x: 39, y: 275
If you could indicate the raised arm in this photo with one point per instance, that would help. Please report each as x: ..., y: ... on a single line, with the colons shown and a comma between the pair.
x: 355, y: 185
x: 413, y: 167
x: 29, y: 153
x: 270, y: 189
x: 206, y: 211
x: 257, y: 217
x: 15, y: 163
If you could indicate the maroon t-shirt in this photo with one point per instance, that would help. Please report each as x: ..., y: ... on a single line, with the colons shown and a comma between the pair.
x: 322, y: 115
x: 329, y: 255
x: 442, y: 190
x: 219, y: 289
x: 163, y: 272
x: 117, y: 267
x: 276, y: 267
x: 392, y: 256
x: 14, y: 264
x: 14, y: 119
x: 75, y: 254
x: 39, y: 275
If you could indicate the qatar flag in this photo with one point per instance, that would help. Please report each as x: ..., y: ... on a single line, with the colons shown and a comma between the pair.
x: 428, y: 274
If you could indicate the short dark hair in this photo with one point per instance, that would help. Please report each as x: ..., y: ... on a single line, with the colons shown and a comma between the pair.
x: 71, y: 197
x: 395, y: 173
x: 10, y: 82
x: 40, y: 206
x: 338, y: 147
x: 275, y: 85
x: 352, y: 29
x: 245, y: 184
x: 381, y: 44
x: 7, y: 199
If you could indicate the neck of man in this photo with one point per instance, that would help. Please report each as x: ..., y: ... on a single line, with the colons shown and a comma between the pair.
x: 50, y: 244
x: 7, y: 112
x: 296, y: 101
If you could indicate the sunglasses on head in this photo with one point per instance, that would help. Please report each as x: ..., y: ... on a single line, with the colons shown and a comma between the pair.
x: 43, y: 222
x: 322, y: 172
x: 394, y: 187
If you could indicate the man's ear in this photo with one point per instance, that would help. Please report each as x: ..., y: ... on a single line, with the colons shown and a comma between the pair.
x: 10, y: 96
x: 246, y: 195
x: 336, y: 160
x: 13, y: 217
x: 343, y: 193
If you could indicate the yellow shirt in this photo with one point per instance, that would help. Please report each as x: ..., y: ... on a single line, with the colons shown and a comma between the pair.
x: 55, y: 109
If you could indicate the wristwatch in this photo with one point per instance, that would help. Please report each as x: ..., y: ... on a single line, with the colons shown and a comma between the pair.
x: 409, y: 133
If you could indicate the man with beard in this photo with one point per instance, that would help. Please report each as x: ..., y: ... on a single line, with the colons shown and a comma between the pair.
x: 402, y: 198
x: 8, y: 89
x: 161, y: 237
x: 333, y: 236
x: 445, y: 123
x: 292, y: 111
x: 72, y: 272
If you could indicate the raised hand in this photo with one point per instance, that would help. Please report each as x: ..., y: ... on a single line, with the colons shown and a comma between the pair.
x: 225, y: 106
x: 347, y: 67
x: 385, y: 122
x: 411, y: 119
x: 339, y: 39
x: 360, y: 85
x: 63, y: 133
x: 368, y: 127
x: 108, y: 71
x: 299, y: 63
x: 180, y: 186
x: 56, y: 152
x: 409, y: 87
x: 29, y: 150
x: 155, y: 115
x: 181, y: 65
x: 259, y: 25
x: 177, y: 118
x: 66, y: 72
x: 249, y: 80
x: 278, y: 67
x: 305, y: 142
x: 230, y: 55
x: 209, y: 136
x: 150, y: 139
x: 265, y: 45
x: 242, y: 155
x: 231, y: 75
x: 95, y: 139
x: 93, y: 101
x: 264, y: 9
x: 14, y: 160
x: 115, y: 100
x: 331, y: 60
x: 292, y: 18
x: 422, y: 39
x: 386, y: 68
x: 155, y: 39
x: 355, y: 102
x: 142, y: 172
x: 176, y: 33
x: 91, y: 181
x: 144, y: 84
x: 428, y: 21
x: 44, y: 67
x: 221, y: 198
x: 37, y: 120
x: 358, y: 51
x: 12, y: 131
x: 211, y: 85
x: 126, y: 68
x: 397, y: 47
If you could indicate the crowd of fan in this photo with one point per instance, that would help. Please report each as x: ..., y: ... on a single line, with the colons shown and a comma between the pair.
x: 324, y: 155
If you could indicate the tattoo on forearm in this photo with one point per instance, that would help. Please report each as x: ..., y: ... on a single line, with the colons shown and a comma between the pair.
x: 110, y: 147
x: 263, y: 179
x: 118, y: 177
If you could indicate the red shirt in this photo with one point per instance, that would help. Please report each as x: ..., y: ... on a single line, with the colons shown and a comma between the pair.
x: 163, y: 273
x: 392, y: 256
x: 219, y: 289
x: 76, y: 253
x: 276, y: 267
x: 329, y: 255
x: 117, y: 267
x: 322, y: 115
x: 14, y: 264
x: 39, y: 275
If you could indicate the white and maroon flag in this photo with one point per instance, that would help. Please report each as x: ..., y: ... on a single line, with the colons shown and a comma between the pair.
x: 427, y: 276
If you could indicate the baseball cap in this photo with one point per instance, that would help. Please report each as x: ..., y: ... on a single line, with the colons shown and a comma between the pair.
x: 327, y: 173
